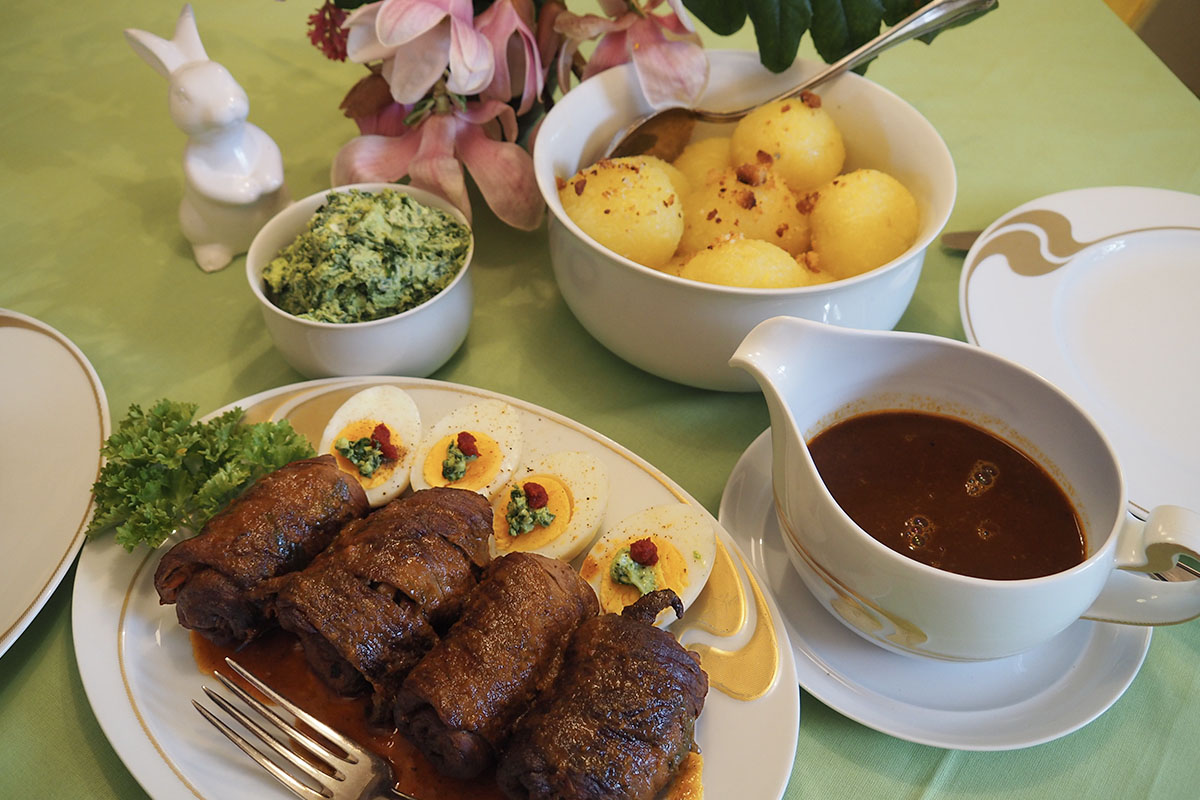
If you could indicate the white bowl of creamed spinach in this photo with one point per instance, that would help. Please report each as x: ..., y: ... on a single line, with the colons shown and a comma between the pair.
x: 366, y: 279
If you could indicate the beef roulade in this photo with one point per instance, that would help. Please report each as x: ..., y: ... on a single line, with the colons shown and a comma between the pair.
x: 618, y: 720
x: 278, y: 525
x: 374, y: 602
x: 460, y: 703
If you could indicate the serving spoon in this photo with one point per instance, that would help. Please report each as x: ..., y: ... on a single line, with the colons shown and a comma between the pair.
x: 665, y: 133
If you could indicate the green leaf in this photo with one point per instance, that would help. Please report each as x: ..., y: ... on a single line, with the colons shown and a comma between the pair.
x: 722, y: 17
x: 840, y: 26
x: 829, y: 29
x: 896, y: 10
x: 863, y: 18
x: 779, y: 26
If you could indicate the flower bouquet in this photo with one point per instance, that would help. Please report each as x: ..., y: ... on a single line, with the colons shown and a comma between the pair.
x: 455, y: 83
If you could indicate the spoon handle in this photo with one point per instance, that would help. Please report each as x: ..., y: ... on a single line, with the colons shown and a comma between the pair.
x: 930, y: 17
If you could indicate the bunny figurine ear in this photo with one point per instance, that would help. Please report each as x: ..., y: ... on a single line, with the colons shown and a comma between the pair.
x: 187, y: 38
x: 167, y: 56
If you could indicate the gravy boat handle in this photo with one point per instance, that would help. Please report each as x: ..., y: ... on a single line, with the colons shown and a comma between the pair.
x: 1152, y: 546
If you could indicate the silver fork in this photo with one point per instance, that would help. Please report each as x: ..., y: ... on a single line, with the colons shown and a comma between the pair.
x: 358, y: 775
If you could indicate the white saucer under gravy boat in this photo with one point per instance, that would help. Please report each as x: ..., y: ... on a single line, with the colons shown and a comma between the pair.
x: 814, y: 375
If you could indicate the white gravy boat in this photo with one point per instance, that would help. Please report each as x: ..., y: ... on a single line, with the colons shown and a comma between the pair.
x: 813, y: 375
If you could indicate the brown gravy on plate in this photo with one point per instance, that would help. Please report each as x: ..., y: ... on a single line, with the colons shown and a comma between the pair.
x: 949, y: 494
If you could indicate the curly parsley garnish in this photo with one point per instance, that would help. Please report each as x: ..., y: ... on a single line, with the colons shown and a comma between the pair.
x: 163, y: 471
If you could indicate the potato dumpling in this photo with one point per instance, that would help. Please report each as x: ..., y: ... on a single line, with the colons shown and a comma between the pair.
x: 747, y: 262
x: 860, y: 221
x: 800, y: 135
x: 676, y: 264
x: 816, y: 274
x: 679, y: 179
x: 750, y: 200
x: 701, y: 158
x: 629, y: 205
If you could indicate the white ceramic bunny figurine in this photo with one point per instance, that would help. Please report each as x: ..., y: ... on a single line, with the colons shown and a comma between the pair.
x: 233, y: 170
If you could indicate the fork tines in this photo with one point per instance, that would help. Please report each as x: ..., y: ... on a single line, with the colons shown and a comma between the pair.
x: 357, y: 773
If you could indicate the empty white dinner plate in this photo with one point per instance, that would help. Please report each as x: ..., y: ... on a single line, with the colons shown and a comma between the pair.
x: 53, y: 420
x: 1096, y: 290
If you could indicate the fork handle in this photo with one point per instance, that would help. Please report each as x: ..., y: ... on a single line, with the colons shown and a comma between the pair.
x: 927, y: 19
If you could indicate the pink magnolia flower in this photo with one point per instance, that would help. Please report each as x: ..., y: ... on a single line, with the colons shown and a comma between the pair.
x: 508, y: 26
x: 433, y: 151
x: 549, y: 40
x: 417, y: 40
x: 665, y: 49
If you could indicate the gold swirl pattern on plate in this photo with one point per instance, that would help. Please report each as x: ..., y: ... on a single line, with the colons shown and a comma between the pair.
x: 1023, y: 247
x: 1039, y: 241
x: 721, y: 607
x: 750, y: 671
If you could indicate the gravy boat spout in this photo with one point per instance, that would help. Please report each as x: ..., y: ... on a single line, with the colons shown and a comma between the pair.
x: 790, y: 358
x: 813, y: 375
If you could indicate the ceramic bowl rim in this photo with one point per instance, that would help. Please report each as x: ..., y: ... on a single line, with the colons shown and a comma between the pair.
x: 254, y: 268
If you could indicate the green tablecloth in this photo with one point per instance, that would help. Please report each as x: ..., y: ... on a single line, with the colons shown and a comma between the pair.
x: 1037, y: 97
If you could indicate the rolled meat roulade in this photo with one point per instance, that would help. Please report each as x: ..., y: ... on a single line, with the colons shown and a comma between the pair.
x: 459, y: 704
x: 374, y: 602
x: 278, y: 525
x: 618, y: 720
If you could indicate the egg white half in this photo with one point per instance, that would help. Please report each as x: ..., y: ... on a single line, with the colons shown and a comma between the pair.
x: 357, y: 417
x: 489, y: 421
x: 578, y: 487
x: 686, y: 540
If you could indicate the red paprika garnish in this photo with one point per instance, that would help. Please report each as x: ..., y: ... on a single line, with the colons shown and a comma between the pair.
x: 466, y: 443
x: 644, y: 552
x: 535, y: 495
x: 382, y: 436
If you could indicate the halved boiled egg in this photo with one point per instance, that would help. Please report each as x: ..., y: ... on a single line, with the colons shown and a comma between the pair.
x: 374, y: 435
x: 662, y: 547
x: 553, y: 506
x: 474, y: 447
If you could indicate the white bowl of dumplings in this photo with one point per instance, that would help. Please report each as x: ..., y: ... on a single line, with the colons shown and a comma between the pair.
x: 685, y: 330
